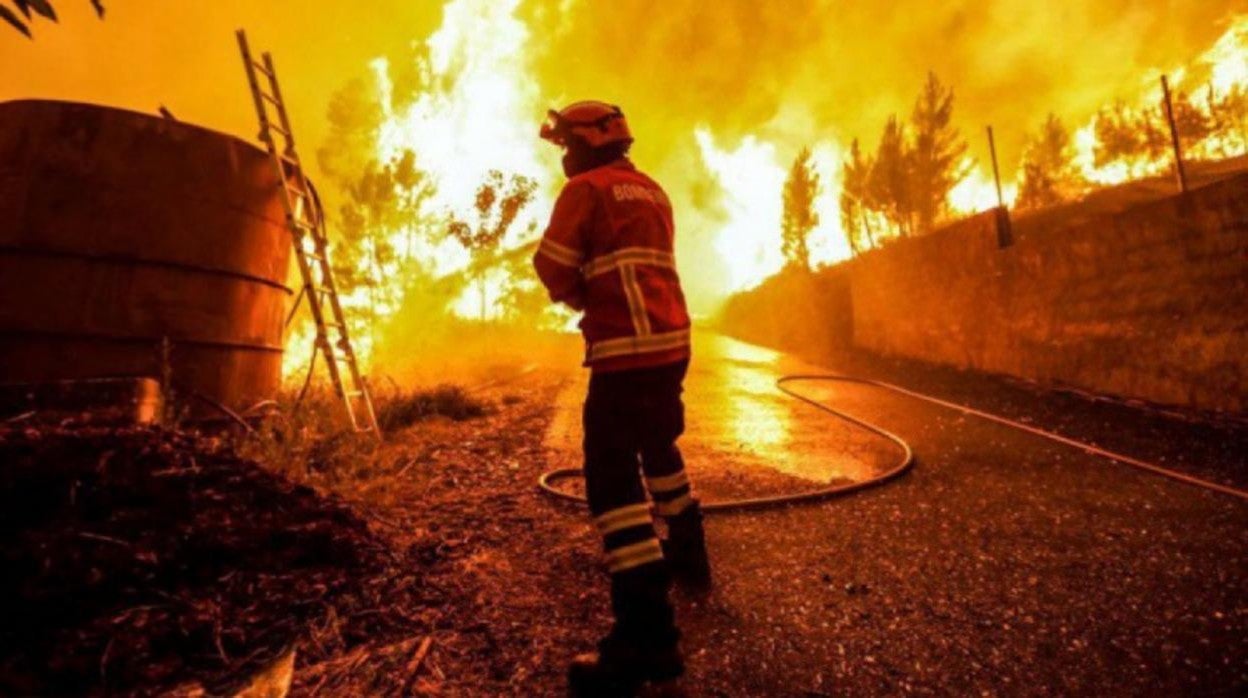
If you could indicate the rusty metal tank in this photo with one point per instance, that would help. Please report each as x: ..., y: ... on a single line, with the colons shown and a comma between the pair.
x: 121, y: 232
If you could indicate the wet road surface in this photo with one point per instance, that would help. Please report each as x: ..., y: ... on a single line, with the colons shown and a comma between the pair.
x: 1003, y: 564
x: 743, y: 436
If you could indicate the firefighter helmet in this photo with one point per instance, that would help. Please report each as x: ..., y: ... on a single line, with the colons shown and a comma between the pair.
x: 594, y: 123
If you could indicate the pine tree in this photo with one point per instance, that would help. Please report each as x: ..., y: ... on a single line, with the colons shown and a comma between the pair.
x: 1129, y: 137
x: 1049, y: 172
x: 888, y: 188
x: 855, y: 177
x: 937, y: 155
x: 799, y: 218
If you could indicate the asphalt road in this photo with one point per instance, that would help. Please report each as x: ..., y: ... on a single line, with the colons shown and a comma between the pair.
x: 1002, y: 565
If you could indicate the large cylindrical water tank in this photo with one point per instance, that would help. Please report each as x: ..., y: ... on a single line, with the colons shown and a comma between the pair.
x: 121, y: 233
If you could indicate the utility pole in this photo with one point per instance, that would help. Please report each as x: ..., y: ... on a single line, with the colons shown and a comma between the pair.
x: 1179, y: 170
x: 996, y: 172
x: 1005, y: 231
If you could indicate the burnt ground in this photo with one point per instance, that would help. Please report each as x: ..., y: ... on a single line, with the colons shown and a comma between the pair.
x: 1002, y: 564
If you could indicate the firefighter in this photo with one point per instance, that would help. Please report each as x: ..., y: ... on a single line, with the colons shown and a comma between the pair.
x: 608, y: 252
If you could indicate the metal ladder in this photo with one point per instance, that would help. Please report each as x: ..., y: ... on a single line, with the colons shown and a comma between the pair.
x: 307, y: 227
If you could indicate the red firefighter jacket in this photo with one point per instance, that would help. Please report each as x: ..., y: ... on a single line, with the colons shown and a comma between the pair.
x: 608, y: 252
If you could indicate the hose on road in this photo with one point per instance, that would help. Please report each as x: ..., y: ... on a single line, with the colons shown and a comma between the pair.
x: 897, y: 469
x: 906, y: 460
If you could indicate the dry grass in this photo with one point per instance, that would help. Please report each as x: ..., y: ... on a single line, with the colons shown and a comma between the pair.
x: 404, y: 408
x: 308, y: 441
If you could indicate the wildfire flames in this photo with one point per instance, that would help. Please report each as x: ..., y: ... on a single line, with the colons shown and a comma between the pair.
x: 1219, y: 72
x: 467, y: 102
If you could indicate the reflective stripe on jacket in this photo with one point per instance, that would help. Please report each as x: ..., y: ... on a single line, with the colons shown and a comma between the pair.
x: 608, y: 252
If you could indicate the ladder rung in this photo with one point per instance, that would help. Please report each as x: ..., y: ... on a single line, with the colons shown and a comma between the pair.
x: 289, y: 159
x: 306, y: 223
x: 260, y: 67
x: 269, y: 98
x: 279, y: 129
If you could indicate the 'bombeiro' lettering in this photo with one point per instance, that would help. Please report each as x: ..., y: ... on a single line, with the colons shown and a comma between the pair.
x: 635, y: 192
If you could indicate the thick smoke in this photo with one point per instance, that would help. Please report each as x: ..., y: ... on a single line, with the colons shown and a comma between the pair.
x: 836, y: 69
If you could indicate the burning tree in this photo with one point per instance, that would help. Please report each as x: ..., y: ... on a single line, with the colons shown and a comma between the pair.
x: 498, y: 203
x: 382, y: 208
x: 1136, y: 138
x: 855, y: 174
x: 1229, y: 117
x: 799, y: 218
x: 1193, y: 125
x: 1049, y: 172
x: 523, y: 298
x: 888, y: 189
x: 937, y: 155
x: 907, y: 183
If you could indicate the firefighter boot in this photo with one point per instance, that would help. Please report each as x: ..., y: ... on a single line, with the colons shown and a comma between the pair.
x: 685, y: 550
x: 621, y: 667
x: 641, y: 649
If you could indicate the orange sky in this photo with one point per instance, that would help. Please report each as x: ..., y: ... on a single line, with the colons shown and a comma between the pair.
x: 182, y: 54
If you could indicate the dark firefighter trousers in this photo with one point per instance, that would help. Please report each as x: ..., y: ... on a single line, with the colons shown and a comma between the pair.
x: 632, y: 419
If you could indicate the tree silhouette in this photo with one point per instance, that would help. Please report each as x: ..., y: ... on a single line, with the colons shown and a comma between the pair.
x: 43, y: 8
x: 1129, y: 137
x: 936, y: 157
x: 888, y: 188
x: 1193, y: 125
x: 523, y: 297
x: 498, y: 203
x: 381, y: 203
x: 855, y: 220
x: 799, y: 217
x: 1049, y: 172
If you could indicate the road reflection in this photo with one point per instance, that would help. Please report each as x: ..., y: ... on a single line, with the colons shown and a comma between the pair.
x: 738, y: 419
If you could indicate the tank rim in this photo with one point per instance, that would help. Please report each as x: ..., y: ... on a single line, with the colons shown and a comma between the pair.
x: 135, y: 113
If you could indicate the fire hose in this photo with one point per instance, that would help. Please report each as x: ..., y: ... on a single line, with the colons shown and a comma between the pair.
x: 906, y: 459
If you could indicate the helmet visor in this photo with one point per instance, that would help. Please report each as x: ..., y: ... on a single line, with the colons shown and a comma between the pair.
x: 554, y: 129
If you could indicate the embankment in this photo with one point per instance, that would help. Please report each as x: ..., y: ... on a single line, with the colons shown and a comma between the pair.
x: 1149, y: 302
